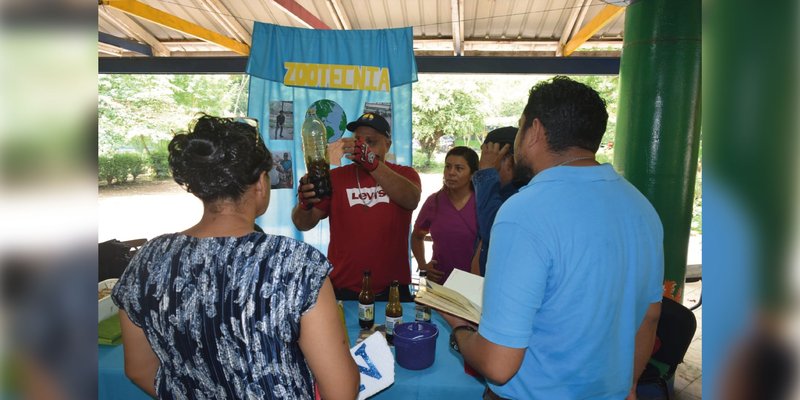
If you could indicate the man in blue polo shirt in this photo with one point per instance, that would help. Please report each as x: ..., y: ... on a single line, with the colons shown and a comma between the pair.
x: 574, y: 278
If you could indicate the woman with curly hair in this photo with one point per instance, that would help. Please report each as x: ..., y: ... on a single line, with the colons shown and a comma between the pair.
x: 220, y: 311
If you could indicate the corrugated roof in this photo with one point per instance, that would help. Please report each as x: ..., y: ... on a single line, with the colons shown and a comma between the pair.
x: 441, y: 27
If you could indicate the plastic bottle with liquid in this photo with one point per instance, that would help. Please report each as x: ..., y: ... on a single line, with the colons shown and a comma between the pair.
x: 315, y: 151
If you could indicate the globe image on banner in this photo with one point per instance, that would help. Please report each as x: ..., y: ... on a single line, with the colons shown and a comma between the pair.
x: 332, y: 116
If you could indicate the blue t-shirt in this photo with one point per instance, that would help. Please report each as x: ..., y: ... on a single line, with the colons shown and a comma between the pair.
x: 489, y: 195
x: 223, y: 314
x: 575, y: 260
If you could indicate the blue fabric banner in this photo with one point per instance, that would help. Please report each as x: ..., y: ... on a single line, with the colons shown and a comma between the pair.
x: 292, y: 68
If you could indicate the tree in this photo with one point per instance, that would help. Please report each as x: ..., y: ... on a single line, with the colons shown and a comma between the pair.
x: 441, y: 107
x: 139, y: 111
x: 134, y: 109
x: 608, y: 88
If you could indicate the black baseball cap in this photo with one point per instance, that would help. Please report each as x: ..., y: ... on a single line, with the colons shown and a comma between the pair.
x: 372, y: 120
x: 504, y: 135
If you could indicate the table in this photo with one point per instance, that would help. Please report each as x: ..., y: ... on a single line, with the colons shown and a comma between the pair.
x: 445, y: 379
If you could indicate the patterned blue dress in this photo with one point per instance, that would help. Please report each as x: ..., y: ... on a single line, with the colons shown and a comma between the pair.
x: 223, y: 314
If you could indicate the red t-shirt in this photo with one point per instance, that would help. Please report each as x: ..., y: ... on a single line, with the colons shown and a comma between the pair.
x: 368, y: 230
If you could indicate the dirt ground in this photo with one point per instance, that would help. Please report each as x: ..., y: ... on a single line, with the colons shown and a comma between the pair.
x: 141, y: 187
x: 144, y: 209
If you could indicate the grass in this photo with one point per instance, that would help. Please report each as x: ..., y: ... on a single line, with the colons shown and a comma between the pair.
x: 472, y: 143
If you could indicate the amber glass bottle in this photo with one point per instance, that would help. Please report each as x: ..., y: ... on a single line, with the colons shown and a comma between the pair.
x: 366, y: 303
x: 394, y: 311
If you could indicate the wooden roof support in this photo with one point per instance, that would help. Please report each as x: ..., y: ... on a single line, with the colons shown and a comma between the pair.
x: 606, y: 15
x: 144, y: 11
x: 300, y: 14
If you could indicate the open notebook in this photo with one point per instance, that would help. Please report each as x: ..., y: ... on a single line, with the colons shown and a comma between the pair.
x: 461, y: 295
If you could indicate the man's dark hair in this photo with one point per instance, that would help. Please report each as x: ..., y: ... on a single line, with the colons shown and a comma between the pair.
x: 573, y: 114
x: 218, y: 158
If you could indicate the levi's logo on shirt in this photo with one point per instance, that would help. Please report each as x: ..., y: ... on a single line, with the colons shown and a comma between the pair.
x: 368, y: 196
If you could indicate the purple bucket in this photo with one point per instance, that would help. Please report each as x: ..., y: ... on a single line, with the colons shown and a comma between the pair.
x: 415, y: 344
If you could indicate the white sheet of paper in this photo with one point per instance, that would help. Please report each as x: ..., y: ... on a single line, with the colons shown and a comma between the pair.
x: 469, y: 285
x: 375, y: 364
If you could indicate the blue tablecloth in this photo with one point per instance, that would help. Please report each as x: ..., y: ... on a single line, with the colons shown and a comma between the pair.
x: 445, y: 379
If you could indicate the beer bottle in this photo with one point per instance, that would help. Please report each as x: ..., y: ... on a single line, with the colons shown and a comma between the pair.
x: 394, y: 311
x: 366, y: 303
x: 422, y: 313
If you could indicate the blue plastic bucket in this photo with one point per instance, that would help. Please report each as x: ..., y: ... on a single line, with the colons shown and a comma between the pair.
x: 415, y: 344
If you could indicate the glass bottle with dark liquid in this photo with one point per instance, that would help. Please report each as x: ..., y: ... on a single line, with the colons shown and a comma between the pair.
x: 315, y: 149
x: 394, y: 311
x: 366, y: 303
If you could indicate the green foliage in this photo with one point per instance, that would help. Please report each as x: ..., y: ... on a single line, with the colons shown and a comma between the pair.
x: 106, y: 169
x: 472, y: 143
x: 422, y: 165
x: 159, y: 162
x: 603, y: 158
x: 117, y: 168
x: 132, y: 164
x: 138, y: 111
x: 608, y: 88
x: 441, y: 107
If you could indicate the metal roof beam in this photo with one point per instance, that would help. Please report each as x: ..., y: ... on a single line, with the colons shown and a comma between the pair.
x: 336, y: 9
x: 457, y: 20
x: 224, y: 17
x: 570, y: 25
x: 581, y: 17
x: 606, y: 15
x: 300, y: 14
x: 425, y: 64
x: 141, y: 10
x: 124, y: 44
x: 132, y: 28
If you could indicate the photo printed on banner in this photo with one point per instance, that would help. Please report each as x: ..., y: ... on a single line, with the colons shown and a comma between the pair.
x: 382, y: 109
x: 281, y: 123
x: 281, y: 176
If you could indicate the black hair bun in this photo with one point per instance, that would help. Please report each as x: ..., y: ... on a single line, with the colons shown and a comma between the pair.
x: 218, y: 158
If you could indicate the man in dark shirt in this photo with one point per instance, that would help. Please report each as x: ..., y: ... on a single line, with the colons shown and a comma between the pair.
x: 496, y: 180
x: 279, y: 120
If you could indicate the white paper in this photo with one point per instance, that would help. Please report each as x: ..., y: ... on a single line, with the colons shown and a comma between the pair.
x: 469, y: 285
x: 375, y: 364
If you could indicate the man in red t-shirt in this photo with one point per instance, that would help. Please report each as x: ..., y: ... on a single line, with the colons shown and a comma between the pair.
x: 370, y: 210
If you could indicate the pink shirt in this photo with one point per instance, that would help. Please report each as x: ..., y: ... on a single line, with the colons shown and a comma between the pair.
x: 453, y: 231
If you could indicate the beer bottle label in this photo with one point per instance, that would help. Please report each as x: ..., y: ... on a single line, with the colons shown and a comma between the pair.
x: 391, y: 322
x: 366, y: 312
x: 422, y: 313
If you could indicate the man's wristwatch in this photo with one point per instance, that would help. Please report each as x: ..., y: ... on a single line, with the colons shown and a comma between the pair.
x: 453, y: 342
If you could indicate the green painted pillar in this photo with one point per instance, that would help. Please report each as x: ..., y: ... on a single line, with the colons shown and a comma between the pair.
x: 658, y: 121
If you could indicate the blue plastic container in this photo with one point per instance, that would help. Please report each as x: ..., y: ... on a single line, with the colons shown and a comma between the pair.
x: 415, y: 344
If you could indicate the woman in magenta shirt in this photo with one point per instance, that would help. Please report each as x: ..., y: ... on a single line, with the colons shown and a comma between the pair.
x: 449, y: 216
